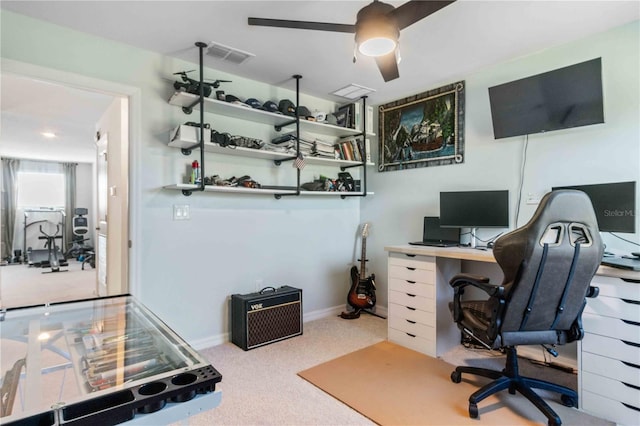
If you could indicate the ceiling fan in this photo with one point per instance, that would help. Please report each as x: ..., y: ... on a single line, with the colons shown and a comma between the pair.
x: 377, y: 29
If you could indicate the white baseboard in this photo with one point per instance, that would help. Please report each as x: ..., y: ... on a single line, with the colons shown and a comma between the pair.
x: 306, y: 317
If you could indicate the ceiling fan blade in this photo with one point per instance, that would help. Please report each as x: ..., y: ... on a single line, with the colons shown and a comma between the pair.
x: 388, y: 66
x: 415, y: 10
x: 303, y: 25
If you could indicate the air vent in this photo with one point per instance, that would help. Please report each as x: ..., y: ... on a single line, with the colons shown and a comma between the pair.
x: 229, y: 54
x: 353, y: 91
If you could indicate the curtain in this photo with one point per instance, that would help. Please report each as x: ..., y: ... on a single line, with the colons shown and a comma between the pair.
x: 9, y: 204
x: 69, y: 170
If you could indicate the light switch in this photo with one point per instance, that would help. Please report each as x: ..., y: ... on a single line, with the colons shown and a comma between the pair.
x: 181, y: 212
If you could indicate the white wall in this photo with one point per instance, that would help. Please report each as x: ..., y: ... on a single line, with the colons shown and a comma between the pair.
x: 233, y: 244
x: 608, y: 152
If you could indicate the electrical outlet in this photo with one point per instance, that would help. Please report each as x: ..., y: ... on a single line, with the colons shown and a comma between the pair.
x: 533, y: 200
x: 181, y: 212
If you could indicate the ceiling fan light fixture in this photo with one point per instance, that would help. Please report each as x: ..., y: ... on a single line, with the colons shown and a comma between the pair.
x: 377, y: 46
x: 377, y: 31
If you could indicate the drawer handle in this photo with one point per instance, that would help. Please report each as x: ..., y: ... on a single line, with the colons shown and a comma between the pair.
x: 630, y: 364
x: 637, y: 345
x: 631, y: 386
x: 413, y: 295
x: 411, y: 282
x: 630, y: 406
x: 630, y: 322
x: 410, y: 322
x: 410, y: 335
x: 633, y: 302
x: 410, y: 308
x: 411, y: 269
x: 410, y: 255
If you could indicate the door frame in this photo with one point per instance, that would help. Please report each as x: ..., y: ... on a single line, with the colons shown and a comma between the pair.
x: 134, y: 96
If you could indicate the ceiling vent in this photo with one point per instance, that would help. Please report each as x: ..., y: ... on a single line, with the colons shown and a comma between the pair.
x: 229, y: 54
x: 353, y: 91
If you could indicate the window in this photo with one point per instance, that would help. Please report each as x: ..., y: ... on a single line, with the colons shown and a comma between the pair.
x: 40, y: 190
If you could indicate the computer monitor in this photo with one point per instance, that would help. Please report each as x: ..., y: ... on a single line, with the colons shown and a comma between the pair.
x: 474, y: 209
x: 614, y: 204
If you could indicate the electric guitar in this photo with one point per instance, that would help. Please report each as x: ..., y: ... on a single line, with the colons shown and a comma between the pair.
x: 362, y: 294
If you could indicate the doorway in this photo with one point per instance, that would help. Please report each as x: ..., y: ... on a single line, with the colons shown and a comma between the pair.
x: 22, y: 284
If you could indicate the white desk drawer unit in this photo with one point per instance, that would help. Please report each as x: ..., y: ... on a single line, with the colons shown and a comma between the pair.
x: 610, y: 352
x: 412, y: 303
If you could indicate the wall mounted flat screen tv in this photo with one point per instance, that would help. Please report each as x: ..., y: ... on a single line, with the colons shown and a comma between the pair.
x: 474, y: 209
x: 614, y: 204
x: 559, y: 99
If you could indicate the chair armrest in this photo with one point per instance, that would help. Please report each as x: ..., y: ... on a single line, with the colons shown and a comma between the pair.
x: 593, y: 291
x: 459, y: 281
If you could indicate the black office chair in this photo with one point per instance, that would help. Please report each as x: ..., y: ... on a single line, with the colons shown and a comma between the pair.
x: 548, y: 265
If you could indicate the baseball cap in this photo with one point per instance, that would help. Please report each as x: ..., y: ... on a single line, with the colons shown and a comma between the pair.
x: 303, y: 111
x: 254, y: 103
x: 287, y: 107
x: 271, y: 107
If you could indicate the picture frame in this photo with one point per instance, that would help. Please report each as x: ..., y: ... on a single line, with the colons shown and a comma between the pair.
x: 423, y: 130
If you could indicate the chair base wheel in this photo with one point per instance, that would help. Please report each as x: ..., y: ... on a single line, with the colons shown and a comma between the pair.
x: 569, y: 401
x: 473, y: 410
x: 456, y: 377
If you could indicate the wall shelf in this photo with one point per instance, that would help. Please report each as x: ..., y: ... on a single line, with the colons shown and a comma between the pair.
x: 260, y: 154
x: 259, y: 191
x: 185, y: 100
x: 190, y: 101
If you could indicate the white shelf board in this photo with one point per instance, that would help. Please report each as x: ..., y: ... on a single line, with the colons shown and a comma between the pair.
x: 230, y: 189
x: 256, y: 191
x: 259, y: 153
x: 331, y: 193
x: 184, y: 99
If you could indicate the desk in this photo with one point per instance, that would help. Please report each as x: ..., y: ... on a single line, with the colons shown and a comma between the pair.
x: 608, y: 356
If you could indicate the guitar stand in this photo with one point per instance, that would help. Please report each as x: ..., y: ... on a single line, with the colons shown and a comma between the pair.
x: 356, y: 314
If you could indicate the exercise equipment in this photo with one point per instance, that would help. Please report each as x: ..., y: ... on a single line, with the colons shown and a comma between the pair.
x: 79, y: 249
x: 55, y: 258
x: 34, y: 257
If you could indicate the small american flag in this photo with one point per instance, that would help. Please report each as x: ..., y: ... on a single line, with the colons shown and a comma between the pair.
x: 299, y: 162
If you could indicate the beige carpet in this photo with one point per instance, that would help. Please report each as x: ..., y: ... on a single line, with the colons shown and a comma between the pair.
x: 392, y: 385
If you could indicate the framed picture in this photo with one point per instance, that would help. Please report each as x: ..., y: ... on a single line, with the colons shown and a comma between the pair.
x: 423, y: 130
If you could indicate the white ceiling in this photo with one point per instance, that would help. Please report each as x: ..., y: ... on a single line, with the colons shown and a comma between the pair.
x: 444, y: 47
x: 30, y: 107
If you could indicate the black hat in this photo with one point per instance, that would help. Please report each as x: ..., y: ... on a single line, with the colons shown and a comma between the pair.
x: 287, y: 107
x: 303, y: 111
x: 254, y: 103
x: 231, y: 98
x: 271, y: 107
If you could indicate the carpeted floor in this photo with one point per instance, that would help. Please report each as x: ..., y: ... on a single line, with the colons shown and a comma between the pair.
x: 22, y: 285
x: 262, y: 387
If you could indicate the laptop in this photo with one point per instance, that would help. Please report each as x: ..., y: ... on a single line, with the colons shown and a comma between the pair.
x: 435, y: 236
x: 632, y: 264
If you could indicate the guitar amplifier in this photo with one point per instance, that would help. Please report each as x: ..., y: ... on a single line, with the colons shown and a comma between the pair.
x: 265, y: 317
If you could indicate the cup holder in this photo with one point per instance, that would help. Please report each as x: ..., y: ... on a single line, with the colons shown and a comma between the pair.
x: 150, y: 389
x: 183, y: 380
x: 153, y: 388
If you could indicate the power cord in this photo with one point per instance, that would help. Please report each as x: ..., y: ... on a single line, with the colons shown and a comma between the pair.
x: 522, y: 167
x: 624, y: 239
